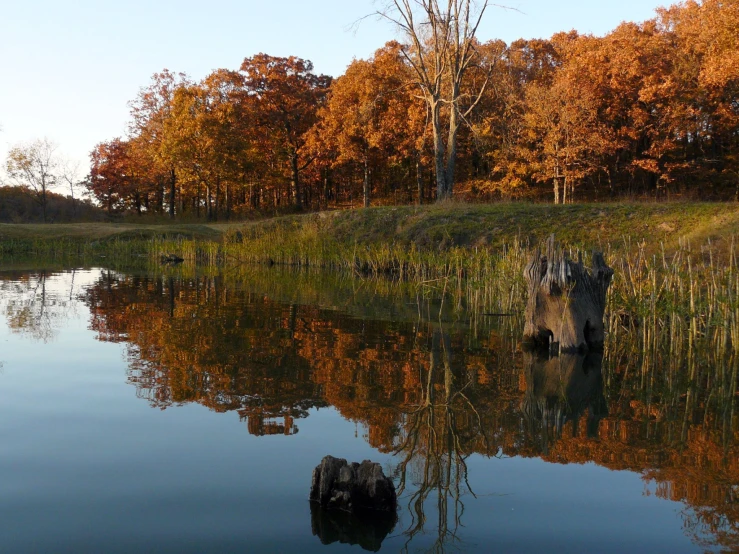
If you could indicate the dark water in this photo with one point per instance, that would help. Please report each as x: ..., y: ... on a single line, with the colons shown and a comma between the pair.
x: 164, y: 414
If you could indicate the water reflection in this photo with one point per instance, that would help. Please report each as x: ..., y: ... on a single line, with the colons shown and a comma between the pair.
x: 37, y: 303
x: 433, y: 394
x: 563, y: 389
x: 368, y: 532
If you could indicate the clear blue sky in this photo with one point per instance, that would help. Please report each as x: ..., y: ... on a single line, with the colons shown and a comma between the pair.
x: 68, y: 67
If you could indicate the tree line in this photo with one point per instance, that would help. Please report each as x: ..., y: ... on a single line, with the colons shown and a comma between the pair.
x: 649, y: 110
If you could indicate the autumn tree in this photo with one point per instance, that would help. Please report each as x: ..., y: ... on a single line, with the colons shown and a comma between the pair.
x: 110, y: 179
x: 564, y: 138
x: 499, y: 125
x: 371, y: 117
x: 649, y: 108
x: 150, y: 112
x: 287, y: 96
x: 442, y: 50
x: 34, y: 167
x: 208, y: 140
x: 704, y: 115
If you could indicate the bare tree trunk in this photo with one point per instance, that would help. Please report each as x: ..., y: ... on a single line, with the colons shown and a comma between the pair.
x: 160, y: 197
x: 419, y: 180
x: 366, y: 184
x: 451, y: 149
x: 218, y: 200
x: 208, y: 213
x: 227, y: 200
x: 74, y: 204
x: 325, y: 189
x: 172, y: 191
x: 442, y: 48
x: 295, y: 180
x: 439, y: 151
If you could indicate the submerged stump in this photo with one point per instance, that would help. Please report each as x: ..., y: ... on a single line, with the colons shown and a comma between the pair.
x: 566, y: 301
x: 170, y: 259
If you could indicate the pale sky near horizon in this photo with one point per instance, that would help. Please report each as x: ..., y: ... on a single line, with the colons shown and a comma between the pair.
x: 69, y: 67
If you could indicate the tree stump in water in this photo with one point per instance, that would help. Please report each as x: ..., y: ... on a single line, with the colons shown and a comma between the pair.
x: 566, y: 301
x: 354, y: 487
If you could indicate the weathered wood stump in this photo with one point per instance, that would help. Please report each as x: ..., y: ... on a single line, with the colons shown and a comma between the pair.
x: 352, y: 487
x: 566, y: 301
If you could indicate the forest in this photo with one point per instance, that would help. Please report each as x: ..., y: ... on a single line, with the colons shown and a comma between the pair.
x: 649, y: 111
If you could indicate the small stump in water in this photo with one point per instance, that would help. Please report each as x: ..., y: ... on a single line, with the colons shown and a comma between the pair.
x: 170, y: 259
x: 352, y: 487
x: 566, y: 301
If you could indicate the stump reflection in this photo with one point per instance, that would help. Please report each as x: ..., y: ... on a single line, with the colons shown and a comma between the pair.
x: 367, y: 531
x: 561, y: 389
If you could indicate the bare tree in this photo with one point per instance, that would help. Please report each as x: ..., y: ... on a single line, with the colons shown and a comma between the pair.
x: 441, y: 50
x: 34, y: 167
x: 70, y: 175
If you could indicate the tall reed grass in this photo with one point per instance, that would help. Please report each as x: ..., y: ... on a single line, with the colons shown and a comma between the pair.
x: 678, y: 302
x: 116, y: 251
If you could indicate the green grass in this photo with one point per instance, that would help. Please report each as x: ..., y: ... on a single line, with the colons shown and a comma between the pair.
x: 440, y: 226
x: 116, y: 244
x: 103, y: 231
x: 469, y: 225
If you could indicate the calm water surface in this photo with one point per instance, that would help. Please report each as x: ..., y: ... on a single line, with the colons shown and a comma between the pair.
x: 143, y: 413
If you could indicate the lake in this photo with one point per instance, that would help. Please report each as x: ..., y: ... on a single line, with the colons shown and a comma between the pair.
x: 185, y: 412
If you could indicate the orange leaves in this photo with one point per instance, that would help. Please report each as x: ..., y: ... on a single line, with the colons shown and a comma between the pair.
x: 371, y: 115
x: 649, y: 108
x: 286, y: 96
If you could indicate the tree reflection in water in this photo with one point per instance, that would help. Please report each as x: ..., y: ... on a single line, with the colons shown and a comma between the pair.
x: 38, y: 303
x: 432, y: 448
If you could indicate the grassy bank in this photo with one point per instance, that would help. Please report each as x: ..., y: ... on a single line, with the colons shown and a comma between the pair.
x: 118, y: 244
x: 436, y: 227
x: 464, y: 225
